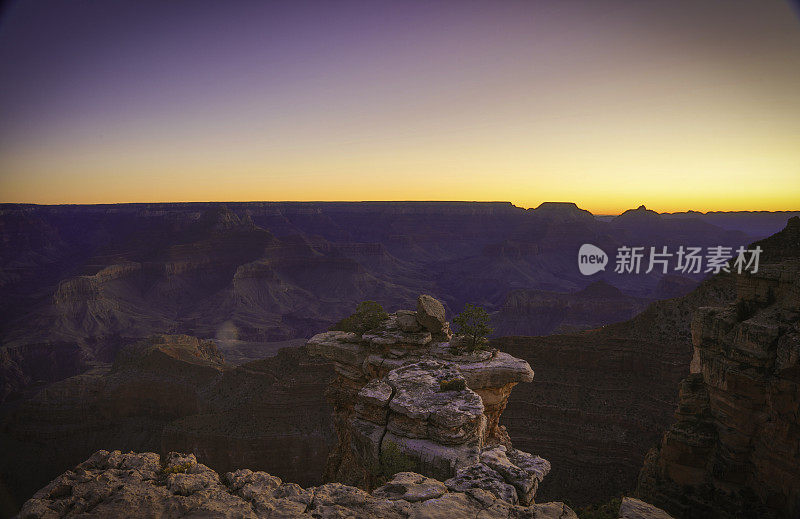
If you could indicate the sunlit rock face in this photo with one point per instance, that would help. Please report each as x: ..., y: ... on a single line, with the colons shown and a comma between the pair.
x: 733, y: 450
x: 402, y: 388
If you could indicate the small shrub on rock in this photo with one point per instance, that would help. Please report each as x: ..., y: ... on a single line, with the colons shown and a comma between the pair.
x: 473, y: 325
x: 368, y: 315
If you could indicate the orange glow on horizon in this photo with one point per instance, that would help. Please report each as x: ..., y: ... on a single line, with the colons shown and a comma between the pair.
x: 676, y: 105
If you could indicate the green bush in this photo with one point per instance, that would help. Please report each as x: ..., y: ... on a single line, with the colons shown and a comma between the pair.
x: 473, y: 323
x: 368, y: 315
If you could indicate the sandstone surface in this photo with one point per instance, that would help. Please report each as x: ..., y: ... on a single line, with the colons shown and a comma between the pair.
x: 133, y: 485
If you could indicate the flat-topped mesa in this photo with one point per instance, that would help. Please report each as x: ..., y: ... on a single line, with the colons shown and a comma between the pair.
x: 404, y: 391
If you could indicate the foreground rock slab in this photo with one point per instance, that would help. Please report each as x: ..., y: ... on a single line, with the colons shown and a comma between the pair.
x: 113, y: 484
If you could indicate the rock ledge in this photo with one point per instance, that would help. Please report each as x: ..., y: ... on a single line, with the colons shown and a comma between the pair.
x: 113, y: 484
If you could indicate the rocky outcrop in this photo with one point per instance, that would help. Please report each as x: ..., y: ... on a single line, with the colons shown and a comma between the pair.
x: 430, y: 314
x: 733, y: 449
x: 400, y: 391
x: 113, y: 484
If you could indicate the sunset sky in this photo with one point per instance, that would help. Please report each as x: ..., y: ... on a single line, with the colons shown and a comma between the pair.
x: 688, y: 104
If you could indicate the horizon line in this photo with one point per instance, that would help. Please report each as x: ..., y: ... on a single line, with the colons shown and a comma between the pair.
x: 504, y: 202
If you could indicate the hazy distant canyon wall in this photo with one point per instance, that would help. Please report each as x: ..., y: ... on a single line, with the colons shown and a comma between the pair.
x: 89, y: 279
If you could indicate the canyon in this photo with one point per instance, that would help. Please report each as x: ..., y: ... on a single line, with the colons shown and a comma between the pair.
x: 80, y: 282
x: 406, y: 396
x: 160, y: 346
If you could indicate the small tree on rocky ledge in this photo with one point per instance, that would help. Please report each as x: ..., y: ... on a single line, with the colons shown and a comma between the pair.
x: 368, y: 315
x: 473, y: 324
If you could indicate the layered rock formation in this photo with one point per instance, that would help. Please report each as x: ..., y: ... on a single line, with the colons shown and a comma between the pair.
x: 734, y: 450
x: 402, y: 388
x: 112, y: 484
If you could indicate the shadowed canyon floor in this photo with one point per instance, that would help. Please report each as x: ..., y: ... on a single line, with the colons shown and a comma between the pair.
x: 174, y: 393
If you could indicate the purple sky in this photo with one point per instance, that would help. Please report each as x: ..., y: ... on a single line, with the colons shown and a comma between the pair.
x: 111, y: 101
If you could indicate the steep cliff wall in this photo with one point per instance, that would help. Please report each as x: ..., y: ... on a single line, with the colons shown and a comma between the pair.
x: 734, y: 450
